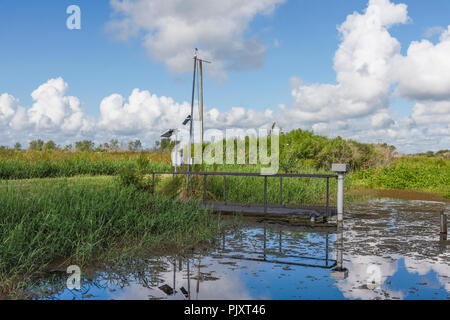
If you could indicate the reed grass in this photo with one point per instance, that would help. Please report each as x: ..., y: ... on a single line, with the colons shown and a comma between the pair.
x: 52, y: 220
x: 31, y: 165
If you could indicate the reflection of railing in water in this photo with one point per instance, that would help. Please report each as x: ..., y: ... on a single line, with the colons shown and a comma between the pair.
x: 337, y: 270
x: 255, y: 208
x: 444, y: 229
x: 266, y: 253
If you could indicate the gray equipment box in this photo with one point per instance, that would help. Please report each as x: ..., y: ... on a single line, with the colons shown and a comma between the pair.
x: 340, y: 167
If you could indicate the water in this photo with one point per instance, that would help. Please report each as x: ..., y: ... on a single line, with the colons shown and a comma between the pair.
x: 387, y: 249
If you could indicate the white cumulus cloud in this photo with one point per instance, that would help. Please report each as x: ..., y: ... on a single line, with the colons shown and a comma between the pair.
x: 8, y: 105
x: 52, y: 110
x: 424, y: 73
x: 170, y: 29
x: 362, y: 64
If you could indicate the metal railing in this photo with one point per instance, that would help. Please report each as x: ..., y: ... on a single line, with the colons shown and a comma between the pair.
x: 245, y: 174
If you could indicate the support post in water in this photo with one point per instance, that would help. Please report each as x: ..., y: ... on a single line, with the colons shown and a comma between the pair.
x: 443, y: 223
x: 341, y: 169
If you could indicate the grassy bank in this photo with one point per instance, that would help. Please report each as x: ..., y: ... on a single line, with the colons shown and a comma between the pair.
x: 412, y: 173
x: 53, y: 164
x: 77, y: 221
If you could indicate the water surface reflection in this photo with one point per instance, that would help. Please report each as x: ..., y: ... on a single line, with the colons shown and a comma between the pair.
x: 386, y: 249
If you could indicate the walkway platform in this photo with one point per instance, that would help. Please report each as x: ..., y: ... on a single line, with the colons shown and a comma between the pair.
x: 285, y: 211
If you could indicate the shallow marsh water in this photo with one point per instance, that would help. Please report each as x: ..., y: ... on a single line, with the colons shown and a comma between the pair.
x: 390, y: 250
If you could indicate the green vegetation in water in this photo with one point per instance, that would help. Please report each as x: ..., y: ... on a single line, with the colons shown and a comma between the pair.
x: 75, y: 222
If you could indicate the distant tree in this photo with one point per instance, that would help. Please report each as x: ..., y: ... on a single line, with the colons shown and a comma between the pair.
x: 68, y: 147
x: 114, y: 145
x: 85, y: 145
x: 443, y: 153
x: 17, y: 146
x: 49, y: 145
x: 135, y: 145
x: 36, y: 145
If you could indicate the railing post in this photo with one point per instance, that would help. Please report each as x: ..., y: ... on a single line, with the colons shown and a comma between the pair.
x: 265, y: 194
x: 281, y: 191
x: 340, y: 197
x: 341, y: 169
x: 204, y: 188
x: 225, y: 189
x: 153, y: 183
x: 328, y: 197
x: 444, y: 229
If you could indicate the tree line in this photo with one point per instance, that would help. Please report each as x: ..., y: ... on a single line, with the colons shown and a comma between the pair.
x: 82, y: 146
x: 114, y: 145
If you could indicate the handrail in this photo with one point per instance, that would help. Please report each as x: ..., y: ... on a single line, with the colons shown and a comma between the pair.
x: 250, y: 174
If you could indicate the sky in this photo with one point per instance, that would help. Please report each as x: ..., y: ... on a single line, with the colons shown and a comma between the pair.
x: 374, y: 71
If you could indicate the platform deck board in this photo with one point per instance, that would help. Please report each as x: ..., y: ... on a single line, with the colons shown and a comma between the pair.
x: 282, y: 211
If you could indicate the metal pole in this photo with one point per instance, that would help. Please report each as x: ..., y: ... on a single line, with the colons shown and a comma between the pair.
x: 153, y: 183
x: 204, y: 188
x: 176, y: 151
x: 281, y: 191
x: 443, y: 223
x: 265, y: 194
x: 200, y: 64
x: 328, y: 196
x: 340, y: 197
x: 192, y: 118
x: 225, y: 189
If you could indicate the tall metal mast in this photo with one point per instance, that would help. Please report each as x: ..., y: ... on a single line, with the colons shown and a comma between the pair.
x: 197, y: 63
x: 192, y: 116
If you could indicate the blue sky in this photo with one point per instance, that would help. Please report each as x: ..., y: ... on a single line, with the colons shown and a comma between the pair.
x: 300, y: 40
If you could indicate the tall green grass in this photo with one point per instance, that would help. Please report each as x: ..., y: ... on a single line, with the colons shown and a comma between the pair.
x: 53, y: 168
x: 415, y: 173
x: 52, y: 220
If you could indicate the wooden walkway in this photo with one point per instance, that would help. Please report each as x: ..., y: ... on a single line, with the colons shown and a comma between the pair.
x: 259, y: 210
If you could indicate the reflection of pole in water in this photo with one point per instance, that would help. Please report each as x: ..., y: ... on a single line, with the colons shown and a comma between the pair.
x: 189, y: 280
x: 326, y: 250
x: 280, y: 242
x: 174, y: 276
x: 198, y: 278
x: 265, y: 240
x: 339, y: 272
